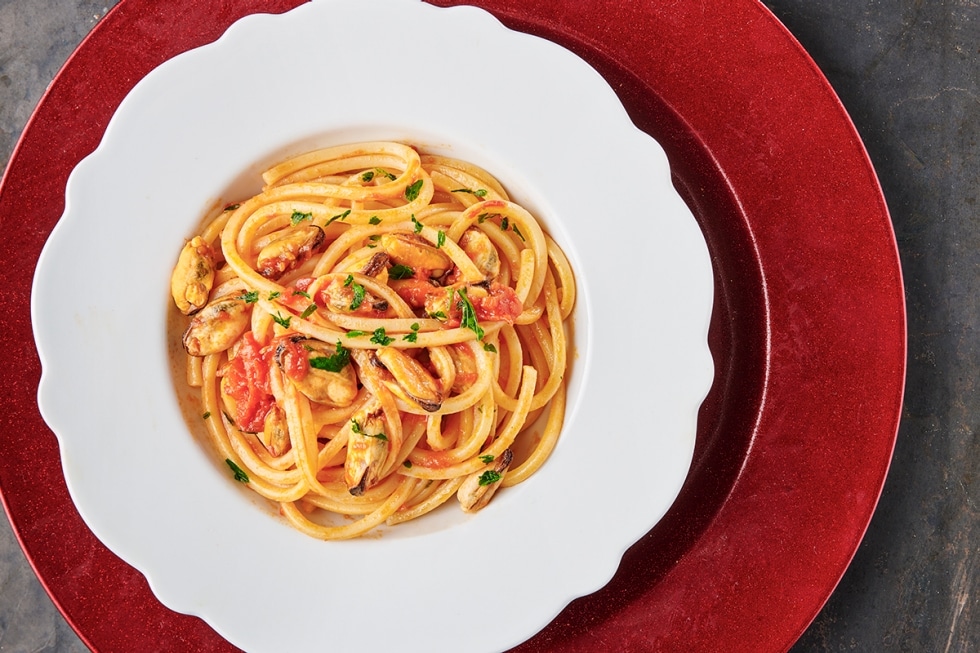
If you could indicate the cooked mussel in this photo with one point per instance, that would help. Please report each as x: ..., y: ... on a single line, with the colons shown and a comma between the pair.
x: 318, y: 370
x: 217, y: 326
x: 193, y: 276
x: 290, y: 250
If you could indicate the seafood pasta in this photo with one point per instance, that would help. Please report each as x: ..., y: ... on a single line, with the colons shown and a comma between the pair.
x: 375, y: 333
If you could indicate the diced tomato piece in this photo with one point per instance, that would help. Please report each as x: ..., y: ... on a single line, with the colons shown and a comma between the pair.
x: 247, y: 382
x: 414, y: 291
x: 295, y: 296
x: 500, y: 304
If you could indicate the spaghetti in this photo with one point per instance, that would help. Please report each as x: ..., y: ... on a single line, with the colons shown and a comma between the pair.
x: 375, y: 332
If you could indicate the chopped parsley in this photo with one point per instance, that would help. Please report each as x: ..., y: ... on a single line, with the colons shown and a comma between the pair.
x: 407, y: 464
x: 358, y: 292
x: 490, y: 348
x: 232, y: 207
x: 517, y: 231
x: 504, y: 224
x: 370, y: 174
x: 489, y: 477
x: 250, y: 297
x: 412, y: 192
x: 479, y: 192
x: 374, y: 220
x: 274, y: 295
x: 414, y: 335
x: 207, y: 415
x: 299, y: 216
x: 487, y: 458
x: 310, y: 310
x: 354, y: 334
x: 333, y: 363
x: 282, y: 321
x: 239, y: 473
x: 467, y: 318
x: 438, y: 315
x: 356, y: 428
x: 381, y: 338
x: 302, y: 293
x: 399, y: 271
x: 418, y: 225
x: 339, y: 216
x: 440, y: 239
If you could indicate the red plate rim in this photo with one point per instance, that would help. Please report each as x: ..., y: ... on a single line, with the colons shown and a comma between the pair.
x: 809, y: 332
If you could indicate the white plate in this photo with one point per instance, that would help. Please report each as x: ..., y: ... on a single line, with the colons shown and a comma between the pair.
x: 196, y: 132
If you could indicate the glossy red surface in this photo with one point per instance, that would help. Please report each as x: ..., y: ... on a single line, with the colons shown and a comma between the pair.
x: 808, y: 332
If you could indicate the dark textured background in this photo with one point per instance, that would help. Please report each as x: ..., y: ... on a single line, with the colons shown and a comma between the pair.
x: 907, y: 71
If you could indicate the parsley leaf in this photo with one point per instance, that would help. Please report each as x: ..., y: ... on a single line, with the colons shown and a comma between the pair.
x: 250, y: 297
x: 440, y: 239
x: 414, y: 335
x: 339, y: 216
x: 302, y: 293
x: 354, y: 334
x: 333, y: 363
x: 490, y: 348
x: 358, y: 297
x: 489, y: 477
x: 239, y: 473
x: 282, y: 321
x: 367, y: 176
x: 206, y: 415
x: 518, y: 232
x: 412, y: 192
x: 480, y: 192
x: 356, y: 428
x: 418, y: 225
x: 504, y: 224
x: 399, y: 271
x: 374, y: 220
x: 310, y: 310
x: 274, y: 295
x: 487, y: 458
x: 468, y: 314
x: 298, y: 217
x: 381, y: 338
x: 358, y: 292
x: 407, y: 464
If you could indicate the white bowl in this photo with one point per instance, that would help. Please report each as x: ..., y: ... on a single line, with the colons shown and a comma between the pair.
x: 195, y: 133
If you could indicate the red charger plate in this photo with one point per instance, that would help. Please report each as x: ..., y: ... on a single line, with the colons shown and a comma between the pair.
x: 808, y: 331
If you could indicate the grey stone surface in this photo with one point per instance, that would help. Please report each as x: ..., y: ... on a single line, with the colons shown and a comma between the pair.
x: 908, y: 73
x: 29, y: 622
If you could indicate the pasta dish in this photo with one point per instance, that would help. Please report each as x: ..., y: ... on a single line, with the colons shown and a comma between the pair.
x: 375, y: 333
